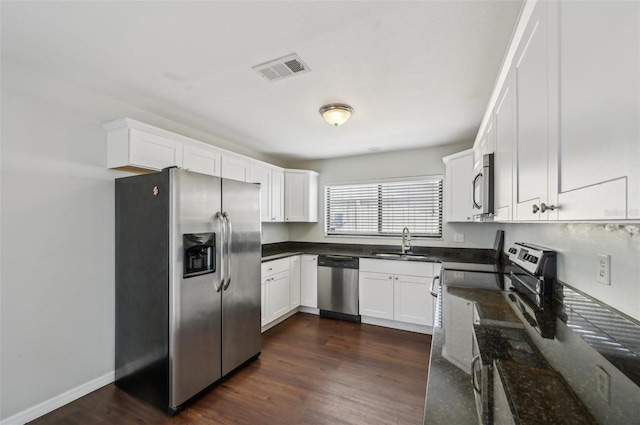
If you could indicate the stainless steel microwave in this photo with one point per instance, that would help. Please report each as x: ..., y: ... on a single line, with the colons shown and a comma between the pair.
x: 483, y: 188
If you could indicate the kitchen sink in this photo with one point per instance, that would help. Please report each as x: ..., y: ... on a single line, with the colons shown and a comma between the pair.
x: 400, y: 256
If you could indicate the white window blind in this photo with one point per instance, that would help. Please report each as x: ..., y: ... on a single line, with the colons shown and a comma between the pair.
x: 384, y: 209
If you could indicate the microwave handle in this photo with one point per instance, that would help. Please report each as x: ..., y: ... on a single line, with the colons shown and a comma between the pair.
x: 473, y: 191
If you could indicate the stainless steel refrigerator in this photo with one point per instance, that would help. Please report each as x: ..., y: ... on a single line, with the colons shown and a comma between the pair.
x: 188, y: 259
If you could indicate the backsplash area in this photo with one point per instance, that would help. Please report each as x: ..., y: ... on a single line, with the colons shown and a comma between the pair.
x: 578, y: 246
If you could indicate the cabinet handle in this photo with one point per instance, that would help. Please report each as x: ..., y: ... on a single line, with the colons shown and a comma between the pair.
x: 544, y: 207
x: 396, y: 277
x: 432, y: 288
x: 389, y: 277
x: 476, y: 387
x: 535, y: 208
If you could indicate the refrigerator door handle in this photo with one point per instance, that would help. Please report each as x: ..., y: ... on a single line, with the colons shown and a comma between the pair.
x: 220, y: 218
x: 228, y: 244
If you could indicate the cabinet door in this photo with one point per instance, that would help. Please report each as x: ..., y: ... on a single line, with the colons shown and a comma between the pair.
x: 599, y: 109
x: 376, y: 295
x: 277, y: 195
x: 505, y: 120
x: 296, y: 197
x: 458, y: 321
x: 234, y: 167
x: 147, y: 150
x: 201, y: 160
x: 532, y: 88
x: 412, y: 300
x: 458, y: 189
x: 294, y: 282
x: 309, y: 281
x: 264, y: 302
x: 278, y: 295
x: 260, y: 174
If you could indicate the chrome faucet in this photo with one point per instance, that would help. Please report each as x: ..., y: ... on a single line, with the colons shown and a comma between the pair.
x: 406, y: 240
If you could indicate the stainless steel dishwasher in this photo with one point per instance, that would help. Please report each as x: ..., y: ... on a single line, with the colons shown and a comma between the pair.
x: 338, y: 287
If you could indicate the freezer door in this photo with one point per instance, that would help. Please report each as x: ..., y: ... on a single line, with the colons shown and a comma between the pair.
x: 195, y: 300
x: 241, y: 336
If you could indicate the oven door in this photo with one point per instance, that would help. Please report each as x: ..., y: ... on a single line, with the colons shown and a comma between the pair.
x: 481, y: 375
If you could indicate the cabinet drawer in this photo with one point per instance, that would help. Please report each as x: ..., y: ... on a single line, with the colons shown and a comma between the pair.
x: 275, y: 266
x: 411, y: 268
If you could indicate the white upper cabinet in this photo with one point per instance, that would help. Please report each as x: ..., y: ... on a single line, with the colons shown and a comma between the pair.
x: 301, y: 195
x: 458, y: 190
x: 566, y: 114
x: 598, y: 162
x: 534, y: 95
x: 259, y: 173
x: 234, y: 167
x: 201, y: 159
x: 486, y: 144
x: 277, y: 195
x: 271, y: 181
x: 138, y: 147
x: 504, y: 123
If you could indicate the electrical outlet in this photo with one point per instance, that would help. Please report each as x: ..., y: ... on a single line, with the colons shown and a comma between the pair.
x: 603, y: 383
x: 603, y: 274
x: 458, y: 274
x: 458, y: 237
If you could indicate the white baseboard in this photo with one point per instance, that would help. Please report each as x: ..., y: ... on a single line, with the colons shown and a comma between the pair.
x: 411, y: 327
x: 58, y: 401
x: 309, y: 310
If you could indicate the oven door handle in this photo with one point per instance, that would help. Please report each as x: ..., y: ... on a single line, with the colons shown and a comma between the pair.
x: 476, y: 387
x: 533, y: 291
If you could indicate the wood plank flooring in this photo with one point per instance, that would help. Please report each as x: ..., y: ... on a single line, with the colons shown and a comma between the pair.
x: 312, y: 370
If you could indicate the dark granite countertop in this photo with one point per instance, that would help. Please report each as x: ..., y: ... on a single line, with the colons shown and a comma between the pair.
x: 587, y: 372
x: 434, y: 254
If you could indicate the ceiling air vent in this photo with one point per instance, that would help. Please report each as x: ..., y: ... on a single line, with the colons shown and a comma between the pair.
x: 278, y: 69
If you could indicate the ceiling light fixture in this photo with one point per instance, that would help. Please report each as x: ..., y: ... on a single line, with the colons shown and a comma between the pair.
x: 336, y: 113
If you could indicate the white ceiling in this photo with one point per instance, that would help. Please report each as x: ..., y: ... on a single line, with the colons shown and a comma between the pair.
x: 417, y: 73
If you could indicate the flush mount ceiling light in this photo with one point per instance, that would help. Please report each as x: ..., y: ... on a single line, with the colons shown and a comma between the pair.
x: 336, y: 113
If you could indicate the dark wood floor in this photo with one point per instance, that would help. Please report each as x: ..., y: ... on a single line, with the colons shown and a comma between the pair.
x: 312, y: 371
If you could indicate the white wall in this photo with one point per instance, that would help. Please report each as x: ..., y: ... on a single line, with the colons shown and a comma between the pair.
x: 275, y: 232
x: 57, y: 225
x: 414, y: 162
x: 578, y: 246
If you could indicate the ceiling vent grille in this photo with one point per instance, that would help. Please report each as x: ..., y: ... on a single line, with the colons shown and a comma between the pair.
x: 280, y: 68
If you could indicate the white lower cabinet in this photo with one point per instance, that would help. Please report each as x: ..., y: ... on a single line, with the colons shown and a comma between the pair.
x: 276, y: 291
x: 458, y: 317
x: 309, y: 281
x: 412, y: 301
x: 397, y: 291
x: 376, y: 295
x: 294, y: 282
x: 278, y: 294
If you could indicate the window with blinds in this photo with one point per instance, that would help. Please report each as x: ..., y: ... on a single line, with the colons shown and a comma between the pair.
x: 384, y: 209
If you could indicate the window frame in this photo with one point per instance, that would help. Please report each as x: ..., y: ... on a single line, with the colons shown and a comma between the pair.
x: 381, y: 182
